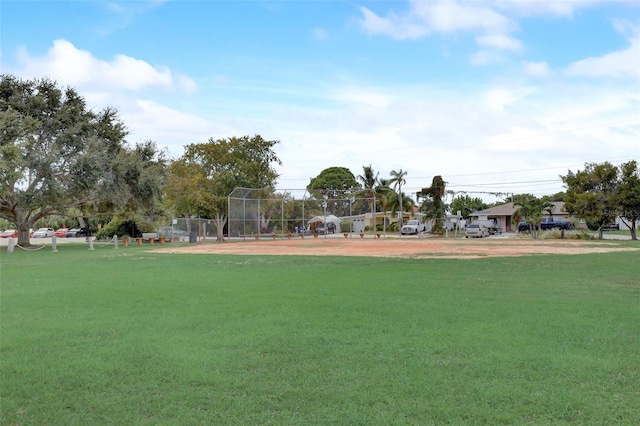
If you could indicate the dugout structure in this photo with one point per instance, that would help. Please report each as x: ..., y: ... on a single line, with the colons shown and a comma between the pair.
x: 254, y: 211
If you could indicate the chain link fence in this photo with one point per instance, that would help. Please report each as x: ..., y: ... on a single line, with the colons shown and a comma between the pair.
x: 254, y: 212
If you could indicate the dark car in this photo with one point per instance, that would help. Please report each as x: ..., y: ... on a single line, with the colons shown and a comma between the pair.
x: 77, y: 232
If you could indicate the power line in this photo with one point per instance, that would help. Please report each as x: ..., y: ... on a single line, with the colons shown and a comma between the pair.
x: 505, y: 183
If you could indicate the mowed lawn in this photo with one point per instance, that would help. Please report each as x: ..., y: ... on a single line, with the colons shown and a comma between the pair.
x: 130, y: 336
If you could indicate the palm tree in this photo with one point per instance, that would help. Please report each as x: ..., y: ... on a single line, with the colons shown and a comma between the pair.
x: 397, y: 179
x: 532, y: 209
x: 400, y: 204
x: 369, y: 181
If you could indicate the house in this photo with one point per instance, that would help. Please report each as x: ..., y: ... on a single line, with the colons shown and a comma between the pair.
x: 623, y: 223
x: 502, y: 215
x: 358, y: 223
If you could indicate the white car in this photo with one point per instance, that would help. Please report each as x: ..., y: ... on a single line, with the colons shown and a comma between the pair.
x: 413, y: 226
x: 476, y: 230
x: 43, y: 233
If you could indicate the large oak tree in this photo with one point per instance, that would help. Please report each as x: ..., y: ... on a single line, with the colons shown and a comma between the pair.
x: 56, y: 154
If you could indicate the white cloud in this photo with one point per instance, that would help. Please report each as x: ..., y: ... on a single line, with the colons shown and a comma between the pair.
x: 542, y: 7
x: 320, y: 34
x: 399, y: 28
x: 362, y: 98
x: 453, y: 16
x: 536, y: 69
x: 497, y: 99
x: 424, y: 18
x: 500, y: 41
x: 167, y: 126
x: 623, y: 63
x: 485, y: 57
x: 448, y: 17
x: 475, y: 130
x: 69, y: 65
x: 425, y: 130
x: 114, y: 82
x: 119, y: 16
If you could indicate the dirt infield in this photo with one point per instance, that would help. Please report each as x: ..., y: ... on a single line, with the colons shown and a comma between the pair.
x: 405, y: 247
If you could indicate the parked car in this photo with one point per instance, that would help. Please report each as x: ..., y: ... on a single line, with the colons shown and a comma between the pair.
x: 491, y: 225
x: 9, y: 233
x: 43, y: 233
x: 331, y: 228
x: 170, y: 232
x: 77, y: 232
x: 478, y: 230
x: 413, y: 226
x: 61, y: 233
x: 547, y: 223
x: 611, y: 227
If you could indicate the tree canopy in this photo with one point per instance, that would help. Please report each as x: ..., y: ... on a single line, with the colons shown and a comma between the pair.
x: 57, y: 154
x: 335, y: 182
x: 200, y: 181
x: 628, y: 196
x: 601, y: 192
x: 591, y: 193
x: 467, y: 205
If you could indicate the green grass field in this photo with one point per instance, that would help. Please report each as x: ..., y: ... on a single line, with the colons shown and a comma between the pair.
x: 130, y: 336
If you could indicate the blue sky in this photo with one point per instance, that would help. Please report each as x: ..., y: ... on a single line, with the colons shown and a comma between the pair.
x: 497, y: 96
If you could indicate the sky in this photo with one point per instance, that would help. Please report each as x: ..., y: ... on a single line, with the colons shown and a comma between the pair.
x: 499, y: 97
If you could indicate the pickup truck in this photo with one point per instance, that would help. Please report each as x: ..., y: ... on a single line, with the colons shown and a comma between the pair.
x: 547, y: 223
x: 413, y: 226
x: 491, y: 226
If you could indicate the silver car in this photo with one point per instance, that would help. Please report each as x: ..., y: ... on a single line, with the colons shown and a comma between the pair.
x: 476, y: 230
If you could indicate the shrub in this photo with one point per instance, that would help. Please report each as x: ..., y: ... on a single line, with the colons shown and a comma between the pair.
x: 119, y: 226
x: 579, y: 234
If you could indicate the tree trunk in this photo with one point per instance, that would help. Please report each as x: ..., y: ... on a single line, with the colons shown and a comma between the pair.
x: 23, y: 236
x: 632, y: 227
x: 23, y: 225
x: 187, y: 221
x: 220, y: 222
